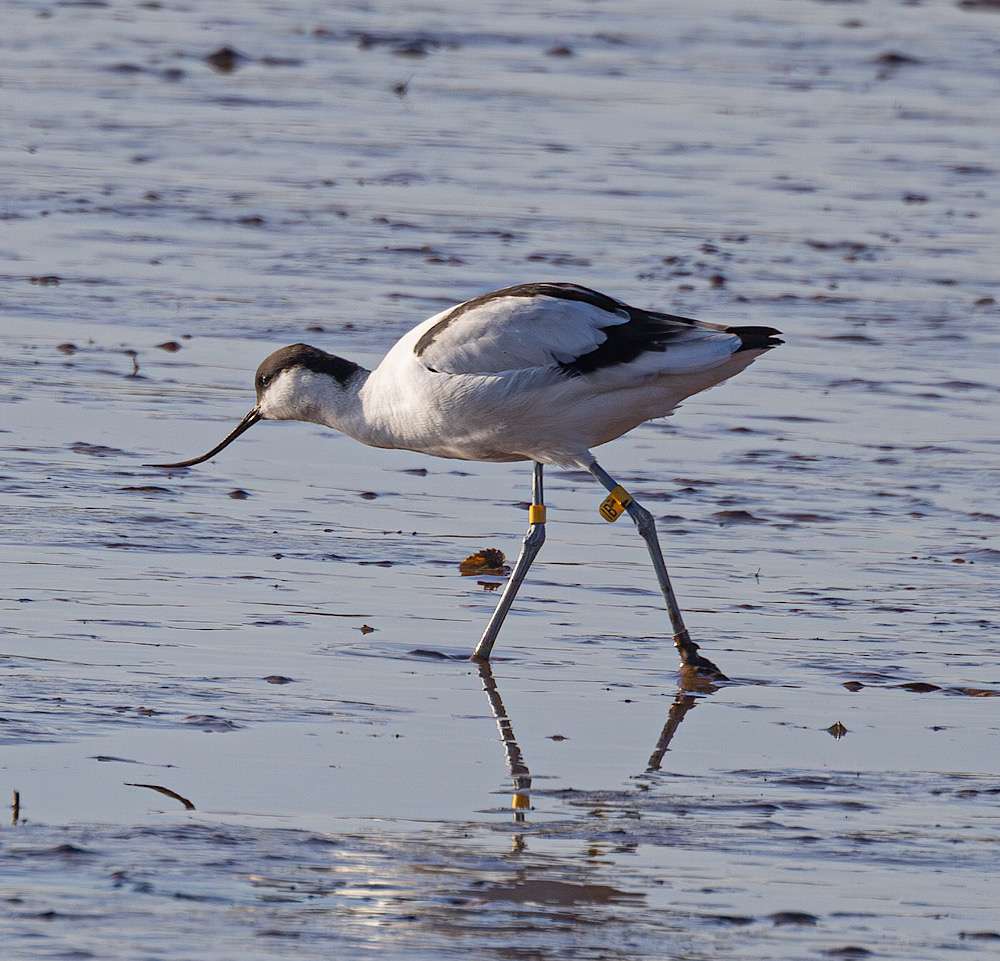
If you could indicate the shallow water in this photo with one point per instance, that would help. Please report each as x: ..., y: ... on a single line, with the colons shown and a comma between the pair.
x: 829, y: 516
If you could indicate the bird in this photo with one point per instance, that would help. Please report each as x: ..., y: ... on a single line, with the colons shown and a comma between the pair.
x: 538, y: 372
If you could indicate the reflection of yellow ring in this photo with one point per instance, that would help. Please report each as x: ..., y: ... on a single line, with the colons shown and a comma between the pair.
x: 520, y: 802
x: 536, y: 514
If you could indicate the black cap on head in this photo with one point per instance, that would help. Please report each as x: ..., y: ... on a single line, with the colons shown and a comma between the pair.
x: 302, y: 355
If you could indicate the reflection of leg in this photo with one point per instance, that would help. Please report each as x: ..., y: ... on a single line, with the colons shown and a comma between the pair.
x: 533, y: 541
x: 646, y: 527
x: 519, y: 773
x: 684, y: 700
x: 682, y: 704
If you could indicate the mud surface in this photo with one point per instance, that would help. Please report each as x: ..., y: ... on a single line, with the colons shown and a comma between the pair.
x: 276, y: 638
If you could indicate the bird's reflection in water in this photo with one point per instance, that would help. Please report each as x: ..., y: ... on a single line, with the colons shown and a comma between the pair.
x: 520, y: 802
x: 692, y: 684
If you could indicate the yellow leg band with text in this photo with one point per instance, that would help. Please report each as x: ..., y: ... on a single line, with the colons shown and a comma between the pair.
x: 536, y: 514
x: 614, y: 505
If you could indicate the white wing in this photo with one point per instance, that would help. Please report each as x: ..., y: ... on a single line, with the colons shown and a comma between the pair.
x: 514, y: 331
x: 569, y: 328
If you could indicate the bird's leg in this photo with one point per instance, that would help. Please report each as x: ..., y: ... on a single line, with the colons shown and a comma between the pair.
x: 533, y: 541
x: 620, y: 500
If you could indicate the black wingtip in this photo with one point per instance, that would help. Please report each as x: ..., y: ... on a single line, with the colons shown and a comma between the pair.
x: 756, y: 338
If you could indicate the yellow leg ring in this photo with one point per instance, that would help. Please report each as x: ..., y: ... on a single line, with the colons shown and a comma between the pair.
x: 615, y: 504
x: 536, y: 514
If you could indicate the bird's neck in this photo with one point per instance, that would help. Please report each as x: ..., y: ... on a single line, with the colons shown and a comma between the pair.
x: 337, y: 404
x: 366, y: 407
x: 369, y: 407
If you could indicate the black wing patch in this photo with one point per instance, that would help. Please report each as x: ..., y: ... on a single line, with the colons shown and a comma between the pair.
x: 647, y: 330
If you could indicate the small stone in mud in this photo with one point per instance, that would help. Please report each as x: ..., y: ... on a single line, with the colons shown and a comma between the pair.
x: 914, y: 198
x: 737, y: 920
x: 67, y: 348
x: 430, y: 655
x: 736, y: 517
x: 368, y: 495
x: 316, y: 329
x: 985, y: 302
x: 919, y: 687
x: 251, y: 220
x: 793, y: 917
x: 560, y: 50
x: 94, y: 450
x: 853, y: 685
x: 558, y: 737
x: 836, y: 730
x: 278, y: 679
x: 210, y: 723
x: 171, y: 346
x: 46, y: 280
x: 848, y: 951
x: 401, y: 88
x: 980, y: 935
x: 239, y: 494
x: 411, y: 48
x: 490, y: 560
x: 366, y: 629
x: 892, y: 58
x: 225, y: 59
x: 717, y: 280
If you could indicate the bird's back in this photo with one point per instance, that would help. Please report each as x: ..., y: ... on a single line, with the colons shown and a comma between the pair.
x: 553, y: 365
x: 575, y: 331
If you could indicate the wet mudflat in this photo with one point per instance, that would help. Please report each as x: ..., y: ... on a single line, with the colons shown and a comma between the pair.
x: 275, y: 639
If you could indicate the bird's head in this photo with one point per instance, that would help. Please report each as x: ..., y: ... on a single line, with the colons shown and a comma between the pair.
x: 297, y: 382
x: 300, y: 382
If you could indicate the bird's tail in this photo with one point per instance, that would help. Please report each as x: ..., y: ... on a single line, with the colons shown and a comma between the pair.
x: 756, y: 338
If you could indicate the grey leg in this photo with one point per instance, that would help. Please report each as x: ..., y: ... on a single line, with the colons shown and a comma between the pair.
x: 533, y: 541
x: 646, y: 527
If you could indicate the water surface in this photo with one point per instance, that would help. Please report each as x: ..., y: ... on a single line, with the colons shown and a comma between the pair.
x: 829, y: 517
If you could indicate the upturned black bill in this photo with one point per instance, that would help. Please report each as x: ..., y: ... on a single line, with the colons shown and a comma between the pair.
x: 243, y: 425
